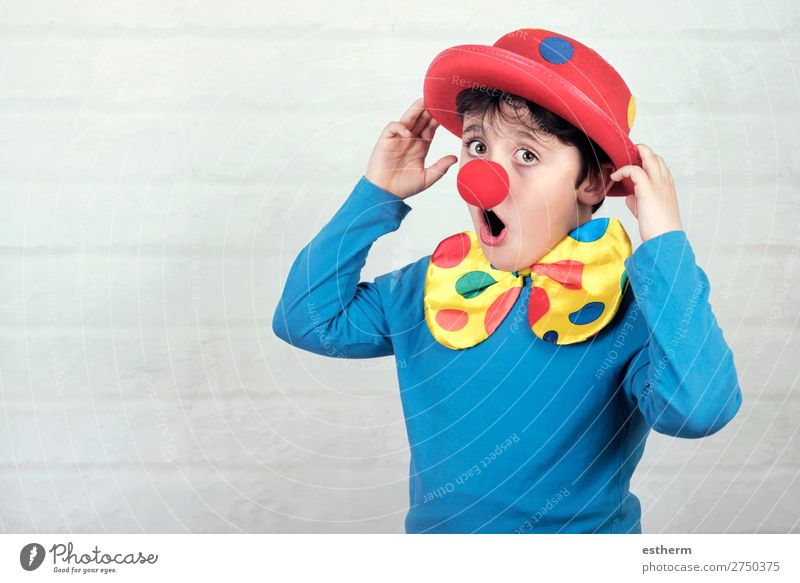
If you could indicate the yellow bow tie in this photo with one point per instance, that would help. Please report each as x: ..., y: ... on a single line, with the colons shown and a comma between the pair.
x: 576, y: 287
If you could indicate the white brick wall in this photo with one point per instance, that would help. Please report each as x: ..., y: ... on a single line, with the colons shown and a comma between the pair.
x: 162, y: 163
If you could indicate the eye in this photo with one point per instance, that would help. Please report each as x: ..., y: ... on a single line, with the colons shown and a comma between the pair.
x: 526, y: 156
x: 476, y: 148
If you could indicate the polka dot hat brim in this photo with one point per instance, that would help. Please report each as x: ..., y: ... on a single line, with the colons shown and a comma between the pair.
x: 553, y: 70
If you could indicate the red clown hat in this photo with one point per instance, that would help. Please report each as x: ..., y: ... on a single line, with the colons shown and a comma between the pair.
x: 550, y: 69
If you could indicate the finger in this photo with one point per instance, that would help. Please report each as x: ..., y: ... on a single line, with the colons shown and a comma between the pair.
x: 635, y: 173
x: 412, y: 109
x: 430, y: 130
x: 438, y: 169
x: 421, y: 123
x: 395, y: 128
x: 409, y: 118
x: 665, y: 171
x: 649, y: 161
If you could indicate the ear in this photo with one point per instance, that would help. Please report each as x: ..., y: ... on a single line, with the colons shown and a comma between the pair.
x: 595, y: 187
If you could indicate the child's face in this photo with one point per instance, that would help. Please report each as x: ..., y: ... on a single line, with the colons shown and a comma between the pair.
x: 543, y: 205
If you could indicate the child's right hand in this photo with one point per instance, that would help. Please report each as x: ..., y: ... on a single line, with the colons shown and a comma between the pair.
x: 397, y: 163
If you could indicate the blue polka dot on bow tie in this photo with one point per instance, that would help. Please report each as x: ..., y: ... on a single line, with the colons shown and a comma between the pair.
x: 588, y: 313
x: 551, y: 336
x: 590, y: 230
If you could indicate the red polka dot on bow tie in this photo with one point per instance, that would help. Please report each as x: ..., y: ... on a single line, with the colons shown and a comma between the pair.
x: 568, y: 273
x: 499, y: 308
x: 539, y: 304
x: 451, y: 251
x: 452, y: 319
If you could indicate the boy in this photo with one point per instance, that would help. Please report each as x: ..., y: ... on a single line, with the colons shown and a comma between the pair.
x: 539, y: 350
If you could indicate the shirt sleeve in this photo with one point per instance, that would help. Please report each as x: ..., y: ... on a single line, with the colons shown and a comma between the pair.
x: 683, y: 380
x: 324, y: 308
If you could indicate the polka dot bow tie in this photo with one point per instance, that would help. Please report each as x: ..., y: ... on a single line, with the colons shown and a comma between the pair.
x: 576, y: 288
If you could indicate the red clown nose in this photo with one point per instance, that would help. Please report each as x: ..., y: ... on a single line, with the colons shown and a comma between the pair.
x: 483, y: 183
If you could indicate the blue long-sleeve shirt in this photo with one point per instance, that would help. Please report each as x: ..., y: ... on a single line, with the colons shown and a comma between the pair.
x: 517, y: 434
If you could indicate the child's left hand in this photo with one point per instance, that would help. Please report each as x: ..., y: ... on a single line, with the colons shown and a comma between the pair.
x: 655, y: 202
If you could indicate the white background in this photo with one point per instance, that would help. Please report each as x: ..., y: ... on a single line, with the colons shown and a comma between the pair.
x: 162, y: 163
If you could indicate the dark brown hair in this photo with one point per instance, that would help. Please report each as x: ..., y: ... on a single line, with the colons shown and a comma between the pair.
x: 480, y: 101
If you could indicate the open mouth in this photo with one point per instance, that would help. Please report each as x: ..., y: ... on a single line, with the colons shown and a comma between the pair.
x: 493, y: 230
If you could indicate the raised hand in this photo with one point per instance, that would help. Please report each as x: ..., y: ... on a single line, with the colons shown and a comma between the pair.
x: 654, y: 202
x: 397, y: 163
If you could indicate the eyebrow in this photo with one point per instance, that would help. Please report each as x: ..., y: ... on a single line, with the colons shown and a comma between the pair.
x: 530, y: 136
x: 520, y: 133
x: 472, y: 127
